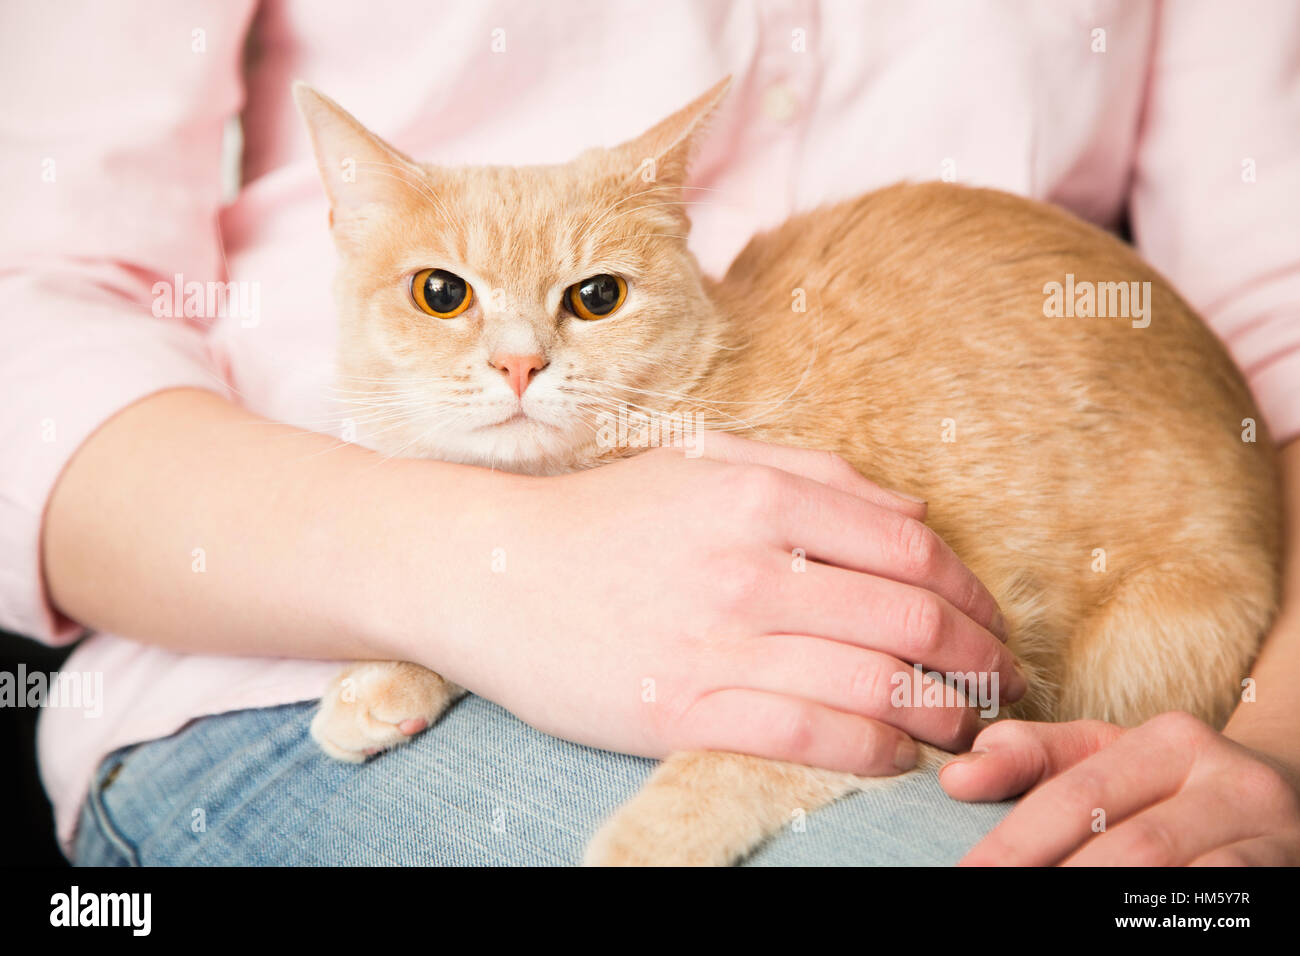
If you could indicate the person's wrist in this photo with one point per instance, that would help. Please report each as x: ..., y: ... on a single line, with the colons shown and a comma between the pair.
x: 1266, y: 723
x: 1272, y: 741
x: 424, y: 556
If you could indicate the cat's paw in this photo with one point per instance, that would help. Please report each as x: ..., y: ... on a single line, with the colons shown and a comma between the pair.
x: 372, y: 707
x: 629, y: 839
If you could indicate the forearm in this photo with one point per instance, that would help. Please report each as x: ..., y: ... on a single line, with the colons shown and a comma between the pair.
x: 1271, y: 722
x: 188, y: 522
x: 665, y: 572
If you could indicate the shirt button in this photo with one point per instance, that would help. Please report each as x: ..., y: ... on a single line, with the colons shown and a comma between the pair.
x: 779, y: 103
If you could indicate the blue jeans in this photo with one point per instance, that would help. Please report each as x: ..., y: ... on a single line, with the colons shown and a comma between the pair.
x: 480, y: 788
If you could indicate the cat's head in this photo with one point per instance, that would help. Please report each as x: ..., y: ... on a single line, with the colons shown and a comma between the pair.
x: 499, y: 315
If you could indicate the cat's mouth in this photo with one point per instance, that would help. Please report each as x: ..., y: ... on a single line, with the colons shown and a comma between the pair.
x: 518, y: 419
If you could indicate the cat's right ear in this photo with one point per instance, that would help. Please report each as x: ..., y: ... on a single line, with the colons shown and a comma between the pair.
x: 358, y: 168
x: 662, y: 154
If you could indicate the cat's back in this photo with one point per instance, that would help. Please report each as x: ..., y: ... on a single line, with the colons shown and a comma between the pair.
x: 919, y: 249
x: 913, y: 330
x: 940, y: 294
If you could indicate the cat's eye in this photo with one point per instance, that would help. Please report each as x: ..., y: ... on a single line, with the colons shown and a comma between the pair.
x: 596, y: 298
x: 440, y: 293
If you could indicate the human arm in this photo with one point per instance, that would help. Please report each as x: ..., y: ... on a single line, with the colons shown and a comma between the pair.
x: 558, y: 597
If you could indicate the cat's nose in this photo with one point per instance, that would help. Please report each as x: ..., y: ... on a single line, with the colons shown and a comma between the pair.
x: 518, y: 369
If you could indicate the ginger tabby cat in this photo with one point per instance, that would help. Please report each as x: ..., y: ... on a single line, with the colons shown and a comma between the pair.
x: 1097, y: 473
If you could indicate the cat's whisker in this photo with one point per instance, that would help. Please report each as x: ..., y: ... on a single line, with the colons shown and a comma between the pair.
x: 772, y: 406
x: 422, y: 435
x: 375, y: 393
x: 593, y: 220
x: 614, y: 405
x: 316, y: 425
x: 417, y: 394
x: 433, y: 424
x: 453, y: 223
x: 591, y: 224
x: 717, y: 418
x: 674, y: 396
x: 422, y: 187
x: 649, y: 235
x: 389, y: 384
x: 394, y: 401
x: 654, y: 205
x: 610, y: 220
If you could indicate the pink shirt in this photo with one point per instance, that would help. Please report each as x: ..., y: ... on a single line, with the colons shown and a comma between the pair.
x: 1185, y: 117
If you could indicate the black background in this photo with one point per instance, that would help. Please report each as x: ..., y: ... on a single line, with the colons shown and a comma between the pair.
x: 26, y: 821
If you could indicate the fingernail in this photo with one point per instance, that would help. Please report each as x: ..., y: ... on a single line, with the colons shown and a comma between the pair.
x: 966, y: 758
x: 905, y: 495
x: 906, y: 755
x: 999, y: 626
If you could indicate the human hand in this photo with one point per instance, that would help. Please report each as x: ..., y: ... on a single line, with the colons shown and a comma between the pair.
x: 1171, y: 792
x: 652, y: 605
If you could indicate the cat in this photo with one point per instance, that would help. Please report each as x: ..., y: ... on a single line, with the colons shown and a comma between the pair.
x: 1108, y: 478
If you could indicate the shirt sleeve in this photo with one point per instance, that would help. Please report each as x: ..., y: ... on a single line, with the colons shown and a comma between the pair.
x: 110, y: 179
x: 1215, y: 203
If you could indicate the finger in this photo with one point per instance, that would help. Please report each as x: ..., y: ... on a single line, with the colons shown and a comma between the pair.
x: 1012, y: 756
x: 1171, y: 833
x: 1260, y: 851
x: 907, y: 622
x: 834, y: 527
x: 866, y: 683
x: 1057, y: 817
x: 798, y: 731
x: 821, y: 466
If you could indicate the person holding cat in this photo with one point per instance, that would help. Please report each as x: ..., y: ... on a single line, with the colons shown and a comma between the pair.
x: 151, y: 497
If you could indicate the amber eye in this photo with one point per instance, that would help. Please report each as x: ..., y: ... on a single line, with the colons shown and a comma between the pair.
x: 440, y: 293
x: 597, y: 297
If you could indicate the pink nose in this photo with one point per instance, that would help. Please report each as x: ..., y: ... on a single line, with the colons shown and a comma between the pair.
x: 518, y: 369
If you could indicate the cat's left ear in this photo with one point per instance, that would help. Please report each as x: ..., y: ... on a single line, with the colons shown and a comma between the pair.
x: 358, y: 168
x: 662, y: 155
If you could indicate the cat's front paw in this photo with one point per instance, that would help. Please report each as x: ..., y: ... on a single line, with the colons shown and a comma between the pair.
x: 372, y: 707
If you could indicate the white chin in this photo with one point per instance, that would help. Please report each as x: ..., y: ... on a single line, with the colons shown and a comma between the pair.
x: 521, y: 445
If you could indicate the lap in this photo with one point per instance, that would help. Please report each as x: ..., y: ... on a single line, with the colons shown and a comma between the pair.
x: 481, y: 788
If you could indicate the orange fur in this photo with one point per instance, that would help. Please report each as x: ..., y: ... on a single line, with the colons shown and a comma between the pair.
x: 924, y: 322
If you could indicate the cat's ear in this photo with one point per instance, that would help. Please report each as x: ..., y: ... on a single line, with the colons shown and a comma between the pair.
x: 357, y: 167
x: 661, y: 155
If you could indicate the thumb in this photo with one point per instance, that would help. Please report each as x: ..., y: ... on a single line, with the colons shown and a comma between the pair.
x: 1012, y: 756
